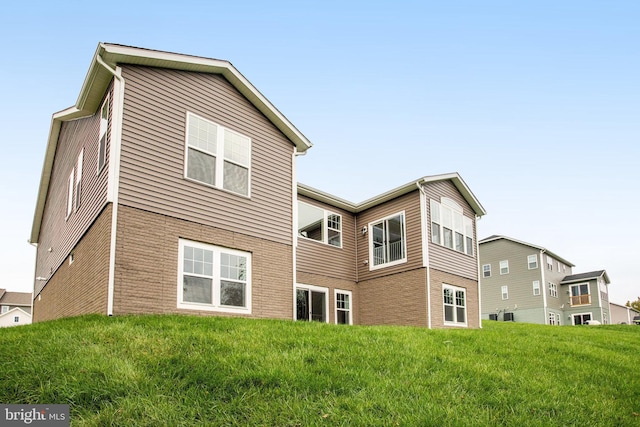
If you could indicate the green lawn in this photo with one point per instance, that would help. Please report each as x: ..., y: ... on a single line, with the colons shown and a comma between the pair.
x: 179, y: 370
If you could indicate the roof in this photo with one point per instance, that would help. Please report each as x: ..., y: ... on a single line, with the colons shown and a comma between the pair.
x: 541, y: 248
x: 98, y: 79
x: 586, y: 276
x: 624, y: 306
x: 15, y: 298
x: 454, y: 177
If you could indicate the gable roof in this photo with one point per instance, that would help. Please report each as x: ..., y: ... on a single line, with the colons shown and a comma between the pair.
x: 496, y: 237
x: 331, y: 200
x: 586, y: 276
x: 15, y: 298
x: 98, y: 79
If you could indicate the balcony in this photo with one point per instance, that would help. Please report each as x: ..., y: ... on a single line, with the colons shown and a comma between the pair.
x: 581, y: 299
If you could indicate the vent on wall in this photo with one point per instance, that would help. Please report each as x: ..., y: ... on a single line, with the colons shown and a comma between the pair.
x: 508, y: 317
x: 493, y: 316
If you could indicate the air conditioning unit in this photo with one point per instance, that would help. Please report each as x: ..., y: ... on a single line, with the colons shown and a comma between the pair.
x: 493, y: 316
x: 508, y: 317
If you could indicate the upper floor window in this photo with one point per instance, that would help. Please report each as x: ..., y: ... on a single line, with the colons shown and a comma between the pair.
x: 532, y: 261
x: 549, y: 263
x: 4, y: 309
x: 504, y: 267
x: 486, y: 270
x: 454, y: 301
x: 536, y: 287
x: 553, y: 290
x: 217, y: 156
x: 69, y: 195
x: 102, y: 140
x: 318, y: 224
x: 387, y: 241
x: 78, y: 184
x: 580, y: 294
x: 449, y: 227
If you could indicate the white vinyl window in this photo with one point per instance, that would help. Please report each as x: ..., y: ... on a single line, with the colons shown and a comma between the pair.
x: 217, y: 156
x: 449, y: 227
x: 505, y: 292
x: 455, y: 305
x: 580, y: 294
x: 387, y: 241
x: 70, y: 195
x: 343, y: 307
x: 213, y: 278
x: 549, y: 263
x: 532, y: 261
x: 486, y: 270
x: 312, y: 303
x: 553, y: 289
x: 102, y: 140
x: 78, y: 184
x: 4, y: 309
x: 320, y: 225
x: 536, y: 287
x: 16, y: 319
x: 554, y: 319
x: 504, y: 267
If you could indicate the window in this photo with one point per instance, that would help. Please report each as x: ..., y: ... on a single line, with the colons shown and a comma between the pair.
x: 78, y: 184
x: 532, y: 261
x: 217, y: 156
x: 311, y: 303
x: 454, y: 301
x: 554, y: 319
x: 505, y: 292
x: 69, y: 195
x: 343, y: 307
x: 604, y: 292
x: 558, y: 265
x: 486, y: 270
x: 449, y: 227
x: 549, y: 263
x: 605, y: 318
x: 580, y: 294
x: 553, y: 290
x: 318, y: 224
x: 504, y: 267
x: 536, y: 287
x: 102, y: 141
x: 387, y: 241
x: 4, y: 309
x: 16, y: 319
x: 214, y: 278
x: 581, y: 319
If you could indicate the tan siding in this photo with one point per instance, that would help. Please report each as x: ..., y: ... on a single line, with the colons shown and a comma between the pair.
x: 410, y: 204
x: 323, y: 259
x: 443, y: 258
x: 81, y: 287
x: 147, y: 265
x: 437, y: 279
x: 152, y: 166
x: 62, y: 234
x: 333, y: 283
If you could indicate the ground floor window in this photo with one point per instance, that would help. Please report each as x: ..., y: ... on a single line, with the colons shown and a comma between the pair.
x: 312, y: 303
x: 554, y: 319
x: 213, y: 278
x: 581, y: 319
x: 343, y: 307
x: 455, y: 305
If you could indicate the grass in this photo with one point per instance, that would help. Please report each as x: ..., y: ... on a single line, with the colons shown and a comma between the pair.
x: 180, y: 370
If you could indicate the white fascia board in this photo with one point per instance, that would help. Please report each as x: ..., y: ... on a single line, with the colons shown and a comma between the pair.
x: 543, y: 249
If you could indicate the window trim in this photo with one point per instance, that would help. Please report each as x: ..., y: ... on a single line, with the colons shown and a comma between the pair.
x: 504, y: 262
x: 535, y: 261
x: 216, y: 278
x: 311, y: 288
x: 549, y: 263
x: 325, y: 226
x: 219, y: 156
x: 102, y: 136
x: 536, y: 287
x: 573, y: 317
x: 505, y: 292
x: 484, y: 271
x: 455, y: 306
x: 466, y: 226
x: 78, y: 181
x: 404, y: 241
x: 553, y: 289
x: 335, y: 305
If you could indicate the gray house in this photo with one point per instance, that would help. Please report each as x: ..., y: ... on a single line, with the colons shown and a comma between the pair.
x: 524, y: 282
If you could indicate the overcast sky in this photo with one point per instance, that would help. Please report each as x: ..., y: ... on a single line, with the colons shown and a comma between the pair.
x: 536, y: 104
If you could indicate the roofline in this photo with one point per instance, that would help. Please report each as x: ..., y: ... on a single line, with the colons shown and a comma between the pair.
x: 409, y: 187
x: 98, y: 79
x: 624, y: 306
x: 603, y: 274
x: 541, y: 248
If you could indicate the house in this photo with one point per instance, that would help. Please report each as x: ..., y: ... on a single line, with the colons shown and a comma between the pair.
x: 15, y: 308
x: 621, y: 314
x: 170, y: 187
x: 529, y: 283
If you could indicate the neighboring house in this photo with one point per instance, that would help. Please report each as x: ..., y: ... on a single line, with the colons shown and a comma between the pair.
x: 621, y: 314
x: 528, y: 283
x: 170, y: 187
x: 15, y: 308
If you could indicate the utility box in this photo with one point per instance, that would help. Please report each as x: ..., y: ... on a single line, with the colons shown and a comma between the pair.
x: 508, y: 317
x: 493, y: 316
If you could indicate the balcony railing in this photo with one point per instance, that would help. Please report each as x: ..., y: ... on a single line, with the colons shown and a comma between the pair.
x: 581, y: 299
x: 383, y: 255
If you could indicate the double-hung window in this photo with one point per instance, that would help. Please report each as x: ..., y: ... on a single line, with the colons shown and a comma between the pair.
x: 455, y: 306
x: 217, y: 156
x: 532, y: 261
x: 343, y: 307
x: 505, y: 292
x: 102, y: 140
x: 318, y: 224
x: 549, y: 263
x: 213, y: 278
x: 486, y: 270
x: 387, y: 241
x: 536, y: 287
x: 504, y: 267
x: 449, y: 227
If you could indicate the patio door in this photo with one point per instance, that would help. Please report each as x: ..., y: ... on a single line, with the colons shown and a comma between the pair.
x: 581, y: 319
x: 311, y: 303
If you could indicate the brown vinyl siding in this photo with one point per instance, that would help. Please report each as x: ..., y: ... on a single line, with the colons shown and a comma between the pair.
x: 146, y: 279
x: 153, y: 146
x: 441, y: 257
x: 56, y: 232
x: 333, y: 283
x: 323, y: 259
x: 80, y: 287
x: 437, y: 279
x: 410, y: 204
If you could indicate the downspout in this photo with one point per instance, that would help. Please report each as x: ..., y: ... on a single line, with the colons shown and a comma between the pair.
x: 543, y: 287
x: 425, y: 246
x: 475, y: 230
x: 294, y: 225
x: 114, y: 173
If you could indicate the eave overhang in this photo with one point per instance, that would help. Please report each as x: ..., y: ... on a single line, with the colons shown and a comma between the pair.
x: 540, y: 248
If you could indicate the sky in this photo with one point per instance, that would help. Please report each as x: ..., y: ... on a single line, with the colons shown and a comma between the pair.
x: 535, y: 104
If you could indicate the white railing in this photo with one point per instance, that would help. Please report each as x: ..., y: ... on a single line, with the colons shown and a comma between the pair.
x: 388, y: 253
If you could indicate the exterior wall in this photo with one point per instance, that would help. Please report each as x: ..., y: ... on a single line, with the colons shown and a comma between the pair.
x: 333, y: 283
x: 621, y: 314
x: 57, y: 232
x: 156, y: 103
x: 326, y: 260
x: 394, y: 299
x: 555, y: 276
x: 437, y: 278
x: 597, y: 311
x: 25, y: 308
x: 80, y: 287
x: 8, y: 319
x: 146, y: 278
x: 441, y: 257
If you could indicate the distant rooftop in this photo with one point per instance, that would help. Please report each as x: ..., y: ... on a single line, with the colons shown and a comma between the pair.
x: 586, y: 276
x: 15, y: 298
x: 496, y: 237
